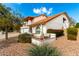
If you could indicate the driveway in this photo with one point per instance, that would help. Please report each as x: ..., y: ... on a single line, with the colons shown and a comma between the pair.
x: 67, y: 47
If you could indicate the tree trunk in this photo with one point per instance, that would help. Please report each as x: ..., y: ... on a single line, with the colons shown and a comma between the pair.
x: 6, y: 33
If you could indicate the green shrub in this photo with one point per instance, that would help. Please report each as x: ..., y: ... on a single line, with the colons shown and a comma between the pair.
x: 57, y: 32
x: 24, y: 38
x: 77, y: 25
x: 44, y: 51
x: 72, y: 33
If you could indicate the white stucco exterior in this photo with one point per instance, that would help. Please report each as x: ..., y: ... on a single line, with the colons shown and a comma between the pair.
x: 29, y: 22
x: 44, y: 41
x: 57, y: 23
x: 42, y: 29
x: 66, y: 24
x: 39, y: 26
x: 24, y: 29
x: 33, y: 29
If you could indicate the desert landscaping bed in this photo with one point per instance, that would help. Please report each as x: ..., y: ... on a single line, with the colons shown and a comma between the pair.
x: 12, y: 48
x: 67, y: 47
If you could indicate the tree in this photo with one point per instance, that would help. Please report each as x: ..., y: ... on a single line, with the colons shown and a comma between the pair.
x: 72, y: 21
x: 17, y: 21
x: 5, y: 19
x: 9, y: 19
x: 77, y: 25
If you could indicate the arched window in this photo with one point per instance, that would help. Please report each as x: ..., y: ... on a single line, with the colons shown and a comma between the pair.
x: 38, y: 29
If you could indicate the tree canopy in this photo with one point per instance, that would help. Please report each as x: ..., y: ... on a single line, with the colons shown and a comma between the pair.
x: 7, y: 19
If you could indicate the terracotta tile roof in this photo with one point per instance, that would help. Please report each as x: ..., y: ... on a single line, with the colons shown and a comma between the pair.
x: 29, y: 18
x: 44, y: 21
x: 43, y: 15
x: 32, y: 17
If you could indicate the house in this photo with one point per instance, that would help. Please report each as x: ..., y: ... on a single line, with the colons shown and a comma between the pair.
x: 40, y: 24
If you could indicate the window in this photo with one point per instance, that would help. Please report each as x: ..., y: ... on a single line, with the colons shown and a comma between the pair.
x: 64, y: 20
x: 38, y: 30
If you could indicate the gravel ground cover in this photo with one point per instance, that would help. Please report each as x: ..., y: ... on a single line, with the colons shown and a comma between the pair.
x: 11, y: 47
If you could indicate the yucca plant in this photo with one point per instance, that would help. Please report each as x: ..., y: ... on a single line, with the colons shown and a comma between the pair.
x: 44, y: 51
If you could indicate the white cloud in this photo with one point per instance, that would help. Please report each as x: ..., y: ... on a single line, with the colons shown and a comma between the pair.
x: 49, y: 11
x: 42, y: 10
x: 37, y: 11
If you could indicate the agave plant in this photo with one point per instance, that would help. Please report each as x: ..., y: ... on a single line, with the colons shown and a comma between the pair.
x: 44, y: 51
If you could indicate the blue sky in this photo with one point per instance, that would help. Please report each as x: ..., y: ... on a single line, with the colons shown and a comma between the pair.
x: 35, y: 9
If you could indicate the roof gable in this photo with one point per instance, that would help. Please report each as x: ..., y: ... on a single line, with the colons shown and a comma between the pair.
x: 32, y: 17
x: 44, y: 21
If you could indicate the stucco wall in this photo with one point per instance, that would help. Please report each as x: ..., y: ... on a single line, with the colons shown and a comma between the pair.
x: 42, y: 29
x: 24, y: 30
x: 57, y: 23
x: 29, y: 22
x: 33, y: 29
x: 44, y: 41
